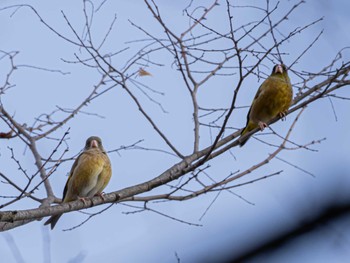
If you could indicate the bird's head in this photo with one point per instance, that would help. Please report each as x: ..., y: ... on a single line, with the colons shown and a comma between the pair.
x: 93, y: 142
x: 279, y: 69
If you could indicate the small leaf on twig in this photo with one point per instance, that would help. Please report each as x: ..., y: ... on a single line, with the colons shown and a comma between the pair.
x: 143, y: 73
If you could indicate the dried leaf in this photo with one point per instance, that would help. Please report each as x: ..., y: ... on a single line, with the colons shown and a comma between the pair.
x: 6, y: 135
x: 143, y: 73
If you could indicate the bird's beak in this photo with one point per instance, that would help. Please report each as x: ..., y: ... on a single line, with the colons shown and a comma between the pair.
x: 279, y: 69
x: 94, y: 144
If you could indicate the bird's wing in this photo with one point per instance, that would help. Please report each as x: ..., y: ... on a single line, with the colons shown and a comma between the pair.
x: 70, y: 175
x: 258, y: 93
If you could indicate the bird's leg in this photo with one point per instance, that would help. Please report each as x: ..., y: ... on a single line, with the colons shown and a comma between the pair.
x: 283, y: 115
x: 262, y: 125
x: 101, y: 195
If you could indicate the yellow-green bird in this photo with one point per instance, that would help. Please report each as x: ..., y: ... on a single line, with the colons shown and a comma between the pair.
x: 273, y: 98
x: 89, y: 175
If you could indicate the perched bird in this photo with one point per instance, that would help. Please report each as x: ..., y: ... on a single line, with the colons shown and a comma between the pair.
x: 89, y: 175
x: 273, y: 98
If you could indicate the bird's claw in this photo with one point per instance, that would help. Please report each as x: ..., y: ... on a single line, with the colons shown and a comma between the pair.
x: 83, y: 199
x: 262, y: 125
x: 283, y: 115
x: 101, y: 195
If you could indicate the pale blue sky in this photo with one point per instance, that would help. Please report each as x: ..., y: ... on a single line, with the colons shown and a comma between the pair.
x: 231, y: 223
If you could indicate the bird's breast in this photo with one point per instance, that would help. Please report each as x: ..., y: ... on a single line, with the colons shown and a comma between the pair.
x: 275, y: 97
x: 85, y: 175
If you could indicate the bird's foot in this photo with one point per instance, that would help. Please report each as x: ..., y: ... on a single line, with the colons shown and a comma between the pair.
x: 283, y: 115
x: 83, y: 199
x: 101, y: 195
x: 262, y: 125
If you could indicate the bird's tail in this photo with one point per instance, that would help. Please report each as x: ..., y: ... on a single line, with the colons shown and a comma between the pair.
x: 250, y: 126
x: 53, y: 220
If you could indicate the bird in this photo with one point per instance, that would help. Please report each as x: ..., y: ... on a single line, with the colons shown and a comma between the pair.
x: 272, y: 99
x: 89, y: 175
